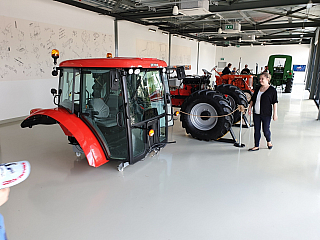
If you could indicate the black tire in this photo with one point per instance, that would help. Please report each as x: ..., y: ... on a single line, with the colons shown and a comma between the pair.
x: 206, y: 103
x: 248, y: 94
x: 236, y: 97
x: 289, y: 84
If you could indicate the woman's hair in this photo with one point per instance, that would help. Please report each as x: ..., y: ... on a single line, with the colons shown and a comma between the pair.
x: 266, y: 75
x: 229, y: 65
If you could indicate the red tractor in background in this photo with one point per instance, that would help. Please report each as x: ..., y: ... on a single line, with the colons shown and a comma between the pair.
x: 242, y: 81
x: 197, y: 98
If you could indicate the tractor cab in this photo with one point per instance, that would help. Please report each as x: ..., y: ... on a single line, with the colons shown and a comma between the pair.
x: 110, y: 109
x: 280, y: 68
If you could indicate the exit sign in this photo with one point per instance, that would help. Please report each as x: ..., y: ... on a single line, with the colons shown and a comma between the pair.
x: 221, y: 58
x: 229, y: 26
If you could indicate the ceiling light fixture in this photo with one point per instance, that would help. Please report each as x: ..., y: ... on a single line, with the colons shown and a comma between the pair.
x: 190, y: 39
x: 220, y: 30
x: 251, y: 45
x: 240, y: 39
x: 175, y: 10
x: 224, y: 37
x: 164, y: 33
x: 175, y: 35
x: 152, y: 30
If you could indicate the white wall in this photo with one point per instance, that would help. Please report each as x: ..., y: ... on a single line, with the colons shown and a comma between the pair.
x: 130, y: 33
x: 19, y: 96
x: 260, y: 54
x: 207, y: 56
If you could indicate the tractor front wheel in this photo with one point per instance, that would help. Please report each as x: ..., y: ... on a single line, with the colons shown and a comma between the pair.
x: 289, y: 84
x: 201, y: 121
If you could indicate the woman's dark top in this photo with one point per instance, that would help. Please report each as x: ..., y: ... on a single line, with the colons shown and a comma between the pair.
x: 268, y: 98
x: 225, y: 71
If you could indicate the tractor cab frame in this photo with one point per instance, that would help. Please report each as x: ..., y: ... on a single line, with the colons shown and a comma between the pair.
x: 110, y: 109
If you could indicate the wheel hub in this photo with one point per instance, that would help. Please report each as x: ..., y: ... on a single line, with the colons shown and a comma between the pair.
x: 205, y: 122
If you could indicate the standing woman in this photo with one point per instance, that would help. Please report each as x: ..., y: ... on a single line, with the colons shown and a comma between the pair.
x: 264, y: 102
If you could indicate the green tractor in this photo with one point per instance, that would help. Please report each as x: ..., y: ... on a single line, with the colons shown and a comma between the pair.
x: 280, y: 68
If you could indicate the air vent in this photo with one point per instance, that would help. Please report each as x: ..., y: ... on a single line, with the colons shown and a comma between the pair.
x: 195, y: 8
x: 248, y: 38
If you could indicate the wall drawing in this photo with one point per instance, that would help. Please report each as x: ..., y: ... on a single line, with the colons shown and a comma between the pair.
x: 150, y: 49
x: 180, y: 55
x: 25, y: 47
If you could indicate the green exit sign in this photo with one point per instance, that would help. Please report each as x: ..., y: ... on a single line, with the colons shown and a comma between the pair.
x: 229, y: 26
x: 221, y: 58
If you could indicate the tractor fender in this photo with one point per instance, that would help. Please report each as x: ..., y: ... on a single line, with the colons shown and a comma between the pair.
x: 74, y: 125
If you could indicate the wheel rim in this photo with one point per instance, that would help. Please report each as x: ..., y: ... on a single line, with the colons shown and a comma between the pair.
x: 204, y: 110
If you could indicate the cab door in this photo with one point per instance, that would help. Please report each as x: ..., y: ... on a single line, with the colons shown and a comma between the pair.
x: 147, y: 108
x: 103, y: 110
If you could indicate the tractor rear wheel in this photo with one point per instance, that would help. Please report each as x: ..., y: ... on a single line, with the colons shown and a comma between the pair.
x: 248, y: 94
x: 236, y: 97
x: 206, y: 103
x: 289, y: 84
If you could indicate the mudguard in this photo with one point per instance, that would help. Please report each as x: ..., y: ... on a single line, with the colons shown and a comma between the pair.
x: 74, y: 125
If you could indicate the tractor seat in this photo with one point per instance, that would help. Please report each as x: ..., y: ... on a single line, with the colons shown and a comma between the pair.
x: 102, y: 113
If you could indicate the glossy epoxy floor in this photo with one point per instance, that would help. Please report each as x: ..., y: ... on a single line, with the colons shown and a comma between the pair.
x: 190, y: 190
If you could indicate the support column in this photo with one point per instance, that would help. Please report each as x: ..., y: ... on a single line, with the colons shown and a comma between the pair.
x: 198, y: 58
x: 169, y: 60
x: 308, y: 76
x: 314, y: 77
x: 116, y: 38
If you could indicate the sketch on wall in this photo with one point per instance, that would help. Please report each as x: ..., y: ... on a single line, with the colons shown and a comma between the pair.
x: 25, y: 47
x: 150, y: 49
x: 180, y: 55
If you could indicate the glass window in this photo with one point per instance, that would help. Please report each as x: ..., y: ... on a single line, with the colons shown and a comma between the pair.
x: 102, y: 105
x: 146, y: 95
x: 68, y: 76
x: 146, y: 100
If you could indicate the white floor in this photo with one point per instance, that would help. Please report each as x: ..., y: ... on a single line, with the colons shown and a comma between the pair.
x: 190, y: 190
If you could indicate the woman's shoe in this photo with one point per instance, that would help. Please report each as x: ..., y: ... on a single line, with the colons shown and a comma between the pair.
x: 253, y: 149
x: 270, y: 147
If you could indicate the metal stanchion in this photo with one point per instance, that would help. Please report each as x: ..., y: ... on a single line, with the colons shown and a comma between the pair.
x: 239, y: 144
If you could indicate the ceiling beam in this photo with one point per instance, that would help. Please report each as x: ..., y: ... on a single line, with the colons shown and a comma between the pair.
x: 147, y: 14
x: 289, y: 15
x: 264, y: 37
x: 248, y: 28
x: 250, y: 5
x: 99, y: 11
x: 274, y: 18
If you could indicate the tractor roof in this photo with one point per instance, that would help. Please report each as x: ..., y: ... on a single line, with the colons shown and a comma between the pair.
x: 117, y: 62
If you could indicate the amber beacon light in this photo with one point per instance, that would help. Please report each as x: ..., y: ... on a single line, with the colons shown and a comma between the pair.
x: 109, y: 55
x: 55, y: 55
x: 151, y: 132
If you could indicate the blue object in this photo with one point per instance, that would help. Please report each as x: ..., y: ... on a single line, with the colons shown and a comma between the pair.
x: 3, y: 235
x: 299, y: 68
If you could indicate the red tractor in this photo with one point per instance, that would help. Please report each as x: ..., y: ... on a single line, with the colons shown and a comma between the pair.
x: 111, y: 108
x: 201, y: 106
x: 242, y: 81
